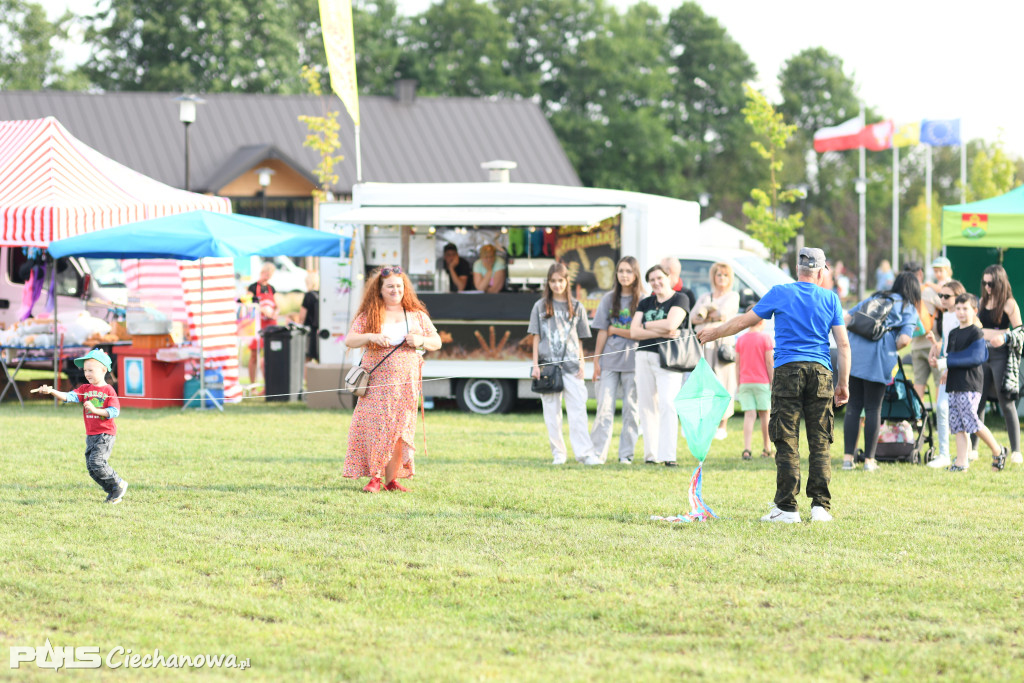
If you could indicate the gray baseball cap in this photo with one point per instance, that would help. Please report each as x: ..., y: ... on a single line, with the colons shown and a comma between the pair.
x: 812, y: 258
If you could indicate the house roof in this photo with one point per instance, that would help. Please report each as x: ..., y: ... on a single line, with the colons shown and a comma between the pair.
x: 423, y: 140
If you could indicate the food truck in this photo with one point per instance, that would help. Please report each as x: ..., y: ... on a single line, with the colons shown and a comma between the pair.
x: 485, y: 359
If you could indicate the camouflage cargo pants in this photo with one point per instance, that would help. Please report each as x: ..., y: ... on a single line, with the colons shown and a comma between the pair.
x: 802, y: 389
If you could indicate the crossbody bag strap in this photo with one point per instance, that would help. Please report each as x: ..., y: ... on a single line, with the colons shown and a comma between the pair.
x: 398, y: 346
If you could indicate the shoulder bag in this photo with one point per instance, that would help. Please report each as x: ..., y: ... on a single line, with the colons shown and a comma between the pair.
x: 682, y: 353
x: 550, y: 380
x: 358, y: 377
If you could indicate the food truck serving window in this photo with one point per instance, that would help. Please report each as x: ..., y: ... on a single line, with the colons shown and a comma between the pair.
x: 480, y: 215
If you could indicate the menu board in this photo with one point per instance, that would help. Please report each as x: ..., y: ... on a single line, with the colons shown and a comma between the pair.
x: 591, y: 255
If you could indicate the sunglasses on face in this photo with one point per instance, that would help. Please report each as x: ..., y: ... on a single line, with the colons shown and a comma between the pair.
x: 987, y: 283
x: 945, y: 296
x: 390, y: 270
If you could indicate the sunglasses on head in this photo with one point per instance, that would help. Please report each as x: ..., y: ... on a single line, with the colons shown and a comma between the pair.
x: 390, y: 270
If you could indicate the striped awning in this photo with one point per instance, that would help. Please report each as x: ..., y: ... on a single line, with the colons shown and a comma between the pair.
x: 53, y: 185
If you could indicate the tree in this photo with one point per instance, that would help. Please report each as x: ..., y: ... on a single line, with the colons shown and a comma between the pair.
x: 28, y: 60
x: 322, y: 137
x: 991, y: 173
x: 914, y: 233
x: 767, y: 223
x: 816, y: 92
x: 212, y: 46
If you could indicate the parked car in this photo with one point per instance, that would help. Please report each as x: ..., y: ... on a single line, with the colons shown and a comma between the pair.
x: 288, y: 277
x: 753, y: 276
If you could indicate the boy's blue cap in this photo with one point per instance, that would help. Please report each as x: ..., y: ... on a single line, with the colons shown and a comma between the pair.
x: 95, y: 354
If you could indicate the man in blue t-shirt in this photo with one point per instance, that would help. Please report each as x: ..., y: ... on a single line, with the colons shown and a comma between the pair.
x: 805, y: 312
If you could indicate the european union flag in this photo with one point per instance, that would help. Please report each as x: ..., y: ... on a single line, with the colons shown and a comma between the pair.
x: 940, y: 132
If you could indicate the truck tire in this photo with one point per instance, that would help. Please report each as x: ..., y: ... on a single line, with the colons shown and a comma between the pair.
x: 485, y: 396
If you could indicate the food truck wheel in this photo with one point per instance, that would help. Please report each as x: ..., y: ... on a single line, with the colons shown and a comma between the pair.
x: 485, y: 396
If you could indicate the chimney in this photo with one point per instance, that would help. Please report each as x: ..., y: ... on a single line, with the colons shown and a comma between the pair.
x: 405, y: 90
x: 498, y: 170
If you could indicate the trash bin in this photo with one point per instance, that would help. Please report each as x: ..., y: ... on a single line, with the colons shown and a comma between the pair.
x: 284, y: 356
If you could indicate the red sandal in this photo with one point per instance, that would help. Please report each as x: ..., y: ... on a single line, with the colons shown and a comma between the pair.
x: 373, y: 486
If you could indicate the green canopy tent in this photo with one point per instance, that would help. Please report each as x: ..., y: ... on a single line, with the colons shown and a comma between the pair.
x: 979, y: 234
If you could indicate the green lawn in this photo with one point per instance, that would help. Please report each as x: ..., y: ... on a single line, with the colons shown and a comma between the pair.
x: 239, y: 536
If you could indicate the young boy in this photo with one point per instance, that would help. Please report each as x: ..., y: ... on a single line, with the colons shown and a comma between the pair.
x: 100, y: 407
x: 755, y: 356
x: 964, y: 383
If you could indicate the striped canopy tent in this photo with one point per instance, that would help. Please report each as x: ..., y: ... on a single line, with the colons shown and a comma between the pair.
x: 53, y: 186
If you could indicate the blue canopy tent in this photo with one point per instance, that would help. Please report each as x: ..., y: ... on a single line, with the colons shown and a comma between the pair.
x: 200, y: 234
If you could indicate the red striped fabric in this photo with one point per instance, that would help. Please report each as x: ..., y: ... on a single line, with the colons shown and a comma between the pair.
x: 53, y: 185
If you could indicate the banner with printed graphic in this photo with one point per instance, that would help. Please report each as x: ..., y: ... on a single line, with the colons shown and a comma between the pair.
x: 339, y: 43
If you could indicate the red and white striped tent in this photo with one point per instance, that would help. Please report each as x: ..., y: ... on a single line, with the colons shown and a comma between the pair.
x: 53, y: 185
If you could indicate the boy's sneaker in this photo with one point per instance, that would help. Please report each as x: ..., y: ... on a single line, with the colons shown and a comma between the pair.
x: 847, y: 464
x: 115, y: 497
x: 820, y: 514
x: 777, y: 515
x: 592, y: 460
x: 625, y: 461
x: 870, y: 465
x: 972, y: 455
x: 941, y: 462
x: 1016, y: 458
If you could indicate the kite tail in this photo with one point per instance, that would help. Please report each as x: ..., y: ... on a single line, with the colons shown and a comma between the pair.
x: 698, y: 508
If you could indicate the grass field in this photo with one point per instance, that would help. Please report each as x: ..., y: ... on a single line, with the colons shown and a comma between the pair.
x: 239, y: 536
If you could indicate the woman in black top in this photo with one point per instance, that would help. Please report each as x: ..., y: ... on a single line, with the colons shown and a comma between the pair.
x: 997, y: 313
x: 309, y: 315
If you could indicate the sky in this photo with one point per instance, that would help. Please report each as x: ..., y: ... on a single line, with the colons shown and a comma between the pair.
x: 910, y: 59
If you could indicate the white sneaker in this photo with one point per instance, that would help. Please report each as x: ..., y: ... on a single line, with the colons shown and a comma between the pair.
x: 973, y: 455
x: 592, y: 460
x: 1016, y: 458
x: 941, y: 462
x: 820, y: 514
x: 721, y: 434
x: 870, y: 465
x: 777, y: 515
x: 558, y: 461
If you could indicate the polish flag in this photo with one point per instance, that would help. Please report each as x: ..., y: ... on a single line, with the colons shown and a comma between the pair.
x: 877, y: 136
x: 838, y: 138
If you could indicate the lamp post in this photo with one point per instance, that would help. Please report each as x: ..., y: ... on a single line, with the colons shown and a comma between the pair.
x: 187, y: 115
x: 263, y: 177
x: 801, y: 189
x: 861, y: 186
x: 703, y: 199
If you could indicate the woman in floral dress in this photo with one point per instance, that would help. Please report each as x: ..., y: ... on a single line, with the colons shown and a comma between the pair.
x: 380, y: 437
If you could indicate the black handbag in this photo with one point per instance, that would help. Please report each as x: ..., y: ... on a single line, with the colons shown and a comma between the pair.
x: 682, y: 353
x: 550, y: 381
x: 726, y: 353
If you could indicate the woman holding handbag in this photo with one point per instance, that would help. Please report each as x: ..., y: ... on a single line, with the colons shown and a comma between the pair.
x: 657, y: 320
x: 711, y: 310
x: 392, y: 325
x: 557, y: 323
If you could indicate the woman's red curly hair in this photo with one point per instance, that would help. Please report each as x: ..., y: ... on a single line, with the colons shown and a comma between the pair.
x: 372, y: 304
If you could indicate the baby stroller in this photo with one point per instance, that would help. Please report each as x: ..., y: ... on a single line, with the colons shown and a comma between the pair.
x: 902, y: 404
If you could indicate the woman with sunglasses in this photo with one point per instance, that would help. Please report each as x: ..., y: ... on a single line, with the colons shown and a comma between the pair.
x: 945, y: 321
x: 393, y: 326
x: 997, y: 313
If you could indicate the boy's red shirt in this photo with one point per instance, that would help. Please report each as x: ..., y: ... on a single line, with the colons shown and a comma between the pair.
x: 101, y: 397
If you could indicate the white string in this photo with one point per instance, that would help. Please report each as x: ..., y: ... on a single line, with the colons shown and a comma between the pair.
x: 345, y: 390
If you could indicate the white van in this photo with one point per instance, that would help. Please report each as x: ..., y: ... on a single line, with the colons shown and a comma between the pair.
x: 753, y: 276
x: 91, y: 284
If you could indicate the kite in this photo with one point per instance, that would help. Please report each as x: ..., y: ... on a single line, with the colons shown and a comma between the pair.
x: 700, y: 405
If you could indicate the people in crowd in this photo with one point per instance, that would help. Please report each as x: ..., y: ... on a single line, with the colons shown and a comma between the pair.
x: 392, y: 324
x: 309, y: 315
x: 460, y: 273
x: 615, y: 362
x: 557, y: 323
x: 921, y: 341
x: 997, y: 313
x: 945, y: 322
x: 871, y: 369
x: 657, y: 319
x: 674, y: 268
x: 841, y: 280
x: 930, y: 311
x: 964, y: 382
x: 755, y: 360
x: 263, y: 296
x: 884, y: 276
x: 489, y: 271
x: 711, y: 310
x: 805, y: 313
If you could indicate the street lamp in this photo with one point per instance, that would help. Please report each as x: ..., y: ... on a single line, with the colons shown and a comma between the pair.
x: 263, y: 176
x: 187, y: 115
x: 703, y: 199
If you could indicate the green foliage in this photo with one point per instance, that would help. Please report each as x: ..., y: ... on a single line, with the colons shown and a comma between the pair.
x: 239, y: 535
x: 322, y: 137
x: 28, y: 59
x: 991, y: 173
x: 914, y: 230
x: 766, y: 220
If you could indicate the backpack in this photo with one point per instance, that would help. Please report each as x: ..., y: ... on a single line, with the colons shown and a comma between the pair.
x: 869, y: 321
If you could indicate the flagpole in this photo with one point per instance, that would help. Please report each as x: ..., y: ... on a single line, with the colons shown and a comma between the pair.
x: 862, y: 189
x: 895, y: 205
x: 928, y: 204
x: 963, y: 164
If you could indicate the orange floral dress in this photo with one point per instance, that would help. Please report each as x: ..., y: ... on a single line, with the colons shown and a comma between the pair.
x: 387, y: 412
